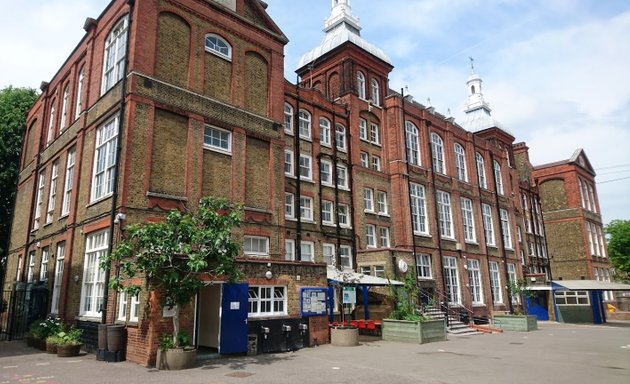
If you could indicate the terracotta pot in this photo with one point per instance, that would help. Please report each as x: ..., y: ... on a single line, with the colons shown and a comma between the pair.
x: 68, y: 350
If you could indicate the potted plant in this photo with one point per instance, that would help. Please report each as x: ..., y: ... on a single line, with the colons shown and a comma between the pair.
x: 69, y: 342
x: 171, y: 357
x: 34, y: 336
x: 172, y: 255
x: 52, y: 342
x: 51, y: 327
x: 405, y: 323
x: 518, y: 320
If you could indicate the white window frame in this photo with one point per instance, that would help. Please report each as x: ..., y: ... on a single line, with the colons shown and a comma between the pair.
x: 412, y: 137
x: 363, y: 129
x: 375, y: 137
x: 52, y: 193
x: 289, y: 249
x: 328, y: 213
x: 381, y: 203
x: 325, y: 173
x: 488, y: 225
x: 122, y: 305
x: 50, y: 135
x: 307, y: 251
x: 304, y: 118
x: 361, y: 85
x: 342, y: 176
x: 375, y: 88
x: 306, y: 208
x: 511, y: 275
x: 384, y: 237
x: 289, y: 205
x: 497, y: 177
x: 423, y: 266
x: 468, y: 220
x: 59, y: 267
x: 288, y: 119
x: 43, y: 265
x: 40, y: 199
x: 345, y: 255
x: 79, y: 104
x: 368, y: 200
x: 379, y: 271
x: 289, y: 162
x: 134, y: 311
x: 64, y: 108
x: 93, y: 284
x: 418, y: 209
x: 564, y: 298
x: 495, y: 282
x: 343, y: 216
x: 324, y: 131
x: 114, y: 55
x: 370, y: 236
x: 219, y: 140
x: 474, y: 280
x: 30, y: 275
x: 460, y: 163
x: 306, y: 165
x: 376, y: 163
x: 444, y: 214
x: 250, y: 241
x: 437, y: 151
x: 68, y: 182
x: 364, y: 159
x: 104, y: 169
x: 340, y: 137
x: 273, y: 297
x: 505, y: 227
x: 217, y: 45
x: 328, y: 251
x: 481, y: 171
x: 451, y: 276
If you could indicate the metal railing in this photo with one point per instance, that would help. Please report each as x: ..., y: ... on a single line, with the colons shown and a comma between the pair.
x: 442, y: 302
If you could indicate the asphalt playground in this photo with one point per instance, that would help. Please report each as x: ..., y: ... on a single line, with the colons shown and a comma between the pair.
x: 556, y: 353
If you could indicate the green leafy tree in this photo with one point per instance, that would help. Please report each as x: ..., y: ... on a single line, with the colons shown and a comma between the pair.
x: 14, y: 104
x: 173, y: 254
x: 618, y: 232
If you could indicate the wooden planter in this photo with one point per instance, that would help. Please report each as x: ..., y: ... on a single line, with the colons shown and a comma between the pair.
x: 68, y: 350
x: 414, y: 331
x: 51, y: 348
x: 344, y: 336
x: 176, y: 359
x: 521, y: 323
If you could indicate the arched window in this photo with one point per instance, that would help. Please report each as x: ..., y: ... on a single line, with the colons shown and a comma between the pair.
x: 305, y: 124
x: 288, y: 118
x: 114, y: 56
x: 340, y: 137
x: 64, y: 108
x: 460, y: 162
x: 324, y: 131
x: 497, y: 177
x: 413, y: 143
x: 376, y: 99
x: 217, y: 45
x: 481, y: 170
x: 437, y: 149
x: 51, y: 123
x: 361, y: 85
x: 79, y: 108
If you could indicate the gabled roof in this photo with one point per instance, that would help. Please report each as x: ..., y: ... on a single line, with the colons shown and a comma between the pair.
x: 578, y: 158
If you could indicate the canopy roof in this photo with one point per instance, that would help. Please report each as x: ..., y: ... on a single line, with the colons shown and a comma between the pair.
x: 350, y: 277
x: 585, y: 285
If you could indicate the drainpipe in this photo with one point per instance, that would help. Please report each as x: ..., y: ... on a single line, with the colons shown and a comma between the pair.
x: 334, y: 176
x: 544, y: 231
x: 350, y: 168
x: 501, y: 230
x: 121, y: 122
x: 298, y: 178
x: 407, y: 168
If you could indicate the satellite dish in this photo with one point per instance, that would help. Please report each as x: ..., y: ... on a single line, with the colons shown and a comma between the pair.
x: 402, y: 265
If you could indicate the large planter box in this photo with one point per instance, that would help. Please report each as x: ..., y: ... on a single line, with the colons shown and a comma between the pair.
x: 176, y: 359
x: 521, y: 323
x: 414, y: 331
x: 344, y: 336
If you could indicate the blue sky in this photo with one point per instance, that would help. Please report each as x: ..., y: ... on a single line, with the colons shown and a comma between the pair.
x: 556, y: 72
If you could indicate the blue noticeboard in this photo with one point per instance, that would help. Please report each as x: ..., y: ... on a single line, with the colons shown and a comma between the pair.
x: 313, y: 301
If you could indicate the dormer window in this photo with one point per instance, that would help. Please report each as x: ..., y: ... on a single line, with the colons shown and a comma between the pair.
x: 217, y: 45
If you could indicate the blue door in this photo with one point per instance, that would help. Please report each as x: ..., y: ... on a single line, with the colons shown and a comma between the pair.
x: 234, y: 304
x: 537, y: 306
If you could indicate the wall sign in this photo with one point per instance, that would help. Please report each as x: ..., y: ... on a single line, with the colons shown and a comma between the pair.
x: 313, y: 301
x: 349, y: 295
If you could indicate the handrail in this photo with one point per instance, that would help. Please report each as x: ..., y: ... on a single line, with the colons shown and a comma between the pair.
x: 444, y: 306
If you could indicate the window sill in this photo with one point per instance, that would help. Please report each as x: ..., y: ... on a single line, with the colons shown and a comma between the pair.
x: 306, y: 138
x: 100, y: 199
x: 89, y: 318
x: 328, y: 224
x: 423, y: 234
x: 471, y: 242
x: 223, y: 151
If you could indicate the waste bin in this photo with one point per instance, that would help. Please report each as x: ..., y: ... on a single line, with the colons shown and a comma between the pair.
x: 252, y: 345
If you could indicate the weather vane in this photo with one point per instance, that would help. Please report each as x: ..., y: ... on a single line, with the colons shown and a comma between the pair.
x: 472, y: 63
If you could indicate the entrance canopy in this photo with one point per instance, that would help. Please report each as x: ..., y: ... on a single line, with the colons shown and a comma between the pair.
x: 588, y: 285
x: 349, y: 277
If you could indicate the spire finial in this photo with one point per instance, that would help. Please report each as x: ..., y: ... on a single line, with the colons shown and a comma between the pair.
x: 472, y: 64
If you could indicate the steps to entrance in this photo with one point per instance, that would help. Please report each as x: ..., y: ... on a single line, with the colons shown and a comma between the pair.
x: 455, y: 327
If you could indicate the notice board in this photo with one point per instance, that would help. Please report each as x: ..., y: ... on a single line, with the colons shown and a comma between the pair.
x: 313, y: 301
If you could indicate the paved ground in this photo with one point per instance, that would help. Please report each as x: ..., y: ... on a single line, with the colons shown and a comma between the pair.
x: 556, y: 353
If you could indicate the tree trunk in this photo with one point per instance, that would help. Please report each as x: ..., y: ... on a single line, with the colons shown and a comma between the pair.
x: 176, y: 327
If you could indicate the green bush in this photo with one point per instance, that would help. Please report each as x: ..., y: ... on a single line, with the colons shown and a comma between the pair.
x: 71, y: 337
